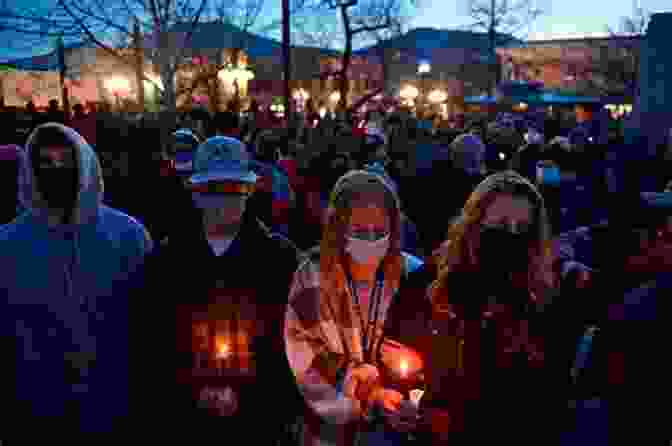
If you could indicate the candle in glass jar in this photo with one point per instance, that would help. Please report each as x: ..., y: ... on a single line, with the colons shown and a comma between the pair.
x: 223, y: 352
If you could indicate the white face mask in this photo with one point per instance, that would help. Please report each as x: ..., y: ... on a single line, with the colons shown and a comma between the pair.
x: 367, y: 252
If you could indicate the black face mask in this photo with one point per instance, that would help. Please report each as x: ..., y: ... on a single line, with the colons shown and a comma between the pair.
x: 503, y: 251
x: 58, y: 186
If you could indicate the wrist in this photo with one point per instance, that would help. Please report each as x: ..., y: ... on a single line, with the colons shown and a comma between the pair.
x: 374, y: 395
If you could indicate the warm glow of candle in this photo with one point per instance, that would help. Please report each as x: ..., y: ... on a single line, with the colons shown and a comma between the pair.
x: 404, y: 368
x: 223, y: 351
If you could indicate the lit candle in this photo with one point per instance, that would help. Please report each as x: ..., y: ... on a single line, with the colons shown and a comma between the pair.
x: 223, y: 352
x: 403, y: 367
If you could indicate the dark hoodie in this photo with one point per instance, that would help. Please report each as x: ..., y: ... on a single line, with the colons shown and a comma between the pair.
x: 64, y: 296
x: 9, y: 169
x: 245, y: 289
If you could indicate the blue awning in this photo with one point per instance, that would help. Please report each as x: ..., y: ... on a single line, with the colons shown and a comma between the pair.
x: 480, y: 100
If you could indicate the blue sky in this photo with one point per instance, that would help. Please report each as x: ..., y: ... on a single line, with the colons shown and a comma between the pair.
x: 562, y: 19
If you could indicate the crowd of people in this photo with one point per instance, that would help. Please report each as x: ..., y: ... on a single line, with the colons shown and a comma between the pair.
x: 347, y: 280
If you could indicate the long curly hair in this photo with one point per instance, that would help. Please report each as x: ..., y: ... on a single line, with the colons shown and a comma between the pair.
x: 356, y: 187
x: 459, y: 253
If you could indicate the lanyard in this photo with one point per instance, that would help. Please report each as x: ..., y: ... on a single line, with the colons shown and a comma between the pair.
x: 373, y: 313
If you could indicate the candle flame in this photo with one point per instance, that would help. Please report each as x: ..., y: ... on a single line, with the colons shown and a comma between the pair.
x: 403, y: 367
x: 223, y: 351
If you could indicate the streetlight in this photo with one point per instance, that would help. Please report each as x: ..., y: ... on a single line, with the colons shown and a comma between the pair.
x: 424, y: 68
x: 236, y: 77
x: 437, y: 96
x: 409, y: 92
x: 301, y: 96
x: 117, y: 85
x: 335, y: 97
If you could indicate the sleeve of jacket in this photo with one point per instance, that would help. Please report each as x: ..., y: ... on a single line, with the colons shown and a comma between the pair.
x: 316, y: 364
x: 571, y: 244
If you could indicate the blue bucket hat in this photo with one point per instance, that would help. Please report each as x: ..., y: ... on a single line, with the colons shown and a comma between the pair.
x: 222, y: 159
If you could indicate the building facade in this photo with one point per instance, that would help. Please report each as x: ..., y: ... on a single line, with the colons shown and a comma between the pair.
x: 590, y: 66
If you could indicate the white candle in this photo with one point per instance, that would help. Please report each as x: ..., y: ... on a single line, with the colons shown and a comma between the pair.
x: 415, y: 396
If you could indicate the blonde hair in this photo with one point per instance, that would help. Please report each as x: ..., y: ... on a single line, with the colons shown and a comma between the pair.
x: 353, y: 187
x: 458, y: 254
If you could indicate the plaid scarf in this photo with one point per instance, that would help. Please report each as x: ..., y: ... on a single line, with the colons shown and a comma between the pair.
x: 324, y: 339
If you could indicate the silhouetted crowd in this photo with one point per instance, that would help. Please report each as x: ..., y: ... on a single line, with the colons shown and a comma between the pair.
x: 371, y: 279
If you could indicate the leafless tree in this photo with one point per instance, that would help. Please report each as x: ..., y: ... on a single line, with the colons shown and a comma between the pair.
x: 399, y: 22
x: 318, y: 29
x: 611, y: 64
x: 107, y: 23
x: 624, y: 69
x: 243, y: 17
x: 24, y: 28
x: 501, y: 19
x: 359, y: 18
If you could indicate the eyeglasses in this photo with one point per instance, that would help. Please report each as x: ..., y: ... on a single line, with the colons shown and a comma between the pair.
x: 371, y: 236
x: 227, y: 188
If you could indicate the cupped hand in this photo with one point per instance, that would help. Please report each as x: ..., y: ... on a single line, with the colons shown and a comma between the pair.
x: 390, y: 400
x: 360, y: 381
x: 223, y: 401
x: 405, y: 419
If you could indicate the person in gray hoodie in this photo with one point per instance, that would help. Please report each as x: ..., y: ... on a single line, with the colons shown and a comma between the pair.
x: 70, y: 266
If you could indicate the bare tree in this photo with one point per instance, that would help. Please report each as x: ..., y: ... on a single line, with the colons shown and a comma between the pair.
x: 501, y: 19
x: 610, y: 65
x: 240, y: 16
x: 243, y: 18
x: 25, y: 28
x: 627, y: 41
x: 399, y: 22
x: 108, y: 22
x: 358, y: 19
x: 318, y: 29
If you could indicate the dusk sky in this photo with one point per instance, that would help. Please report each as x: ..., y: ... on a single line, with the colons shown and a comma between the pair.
x: 562, y: 19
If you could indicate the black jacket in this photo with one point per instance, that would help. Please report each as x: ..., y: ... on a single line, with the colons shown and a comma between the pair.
x: 521, y: 403
x: 247, y: 286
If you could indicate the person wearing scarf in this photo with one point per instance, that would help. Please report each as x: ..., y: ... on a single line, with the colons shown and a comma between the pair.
x: 337, y: 307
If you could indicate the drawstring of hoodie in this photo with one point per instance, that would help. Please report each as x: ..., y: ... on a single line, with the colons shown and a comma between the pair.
x: 70, y: 267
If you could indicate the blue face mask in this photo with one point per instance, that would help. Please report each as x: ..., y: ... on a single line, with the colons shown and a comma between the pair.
x: 548, y: 175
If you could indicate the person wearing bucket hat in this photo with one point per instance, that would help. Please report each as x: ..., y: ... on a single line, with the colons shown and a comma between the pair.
x: 230, y: 276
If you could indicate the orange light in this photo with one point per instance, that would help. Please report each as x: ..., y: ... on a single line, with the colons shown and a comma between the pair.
x: 223, y: 351
x: 404, y: 368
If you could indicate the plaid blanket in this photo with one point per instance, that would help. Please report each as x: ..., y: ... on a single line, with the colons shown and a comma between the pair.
x: 324, y: 340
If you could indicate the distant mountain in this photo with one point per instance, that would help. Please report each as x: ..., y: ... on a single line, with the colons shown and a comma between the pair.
x: 424, y: 41
x: 223, y: 35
